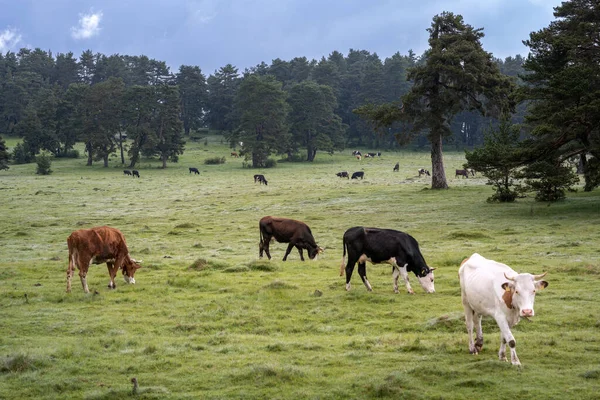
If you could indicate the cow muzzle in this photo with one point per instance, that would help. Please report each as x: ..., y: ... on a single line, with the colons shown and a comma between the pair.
x: 128, y: 279
x: 527, y: 312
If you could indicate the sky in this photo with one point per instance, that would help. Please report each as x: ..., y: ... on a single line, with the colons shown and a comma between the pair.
x: 213, y: 33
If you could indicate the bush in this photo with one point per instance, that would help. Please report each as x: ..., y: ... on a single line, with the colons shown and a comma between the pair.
x: 22, y: 154
x: 72, y: 153
x: 43, y: 164
x: 548, y: 180
x: 270, y: 163
x: 214, y: 161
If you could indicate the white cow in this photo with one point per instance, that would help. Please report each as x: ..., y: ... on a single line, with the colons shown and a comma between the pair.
x: 490, y: 288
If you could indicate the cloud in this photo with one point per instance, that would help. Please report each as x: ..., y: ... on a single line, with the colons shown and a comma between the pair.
x: 89, y: 25
x: 201, y: 12
x: 9, y: 38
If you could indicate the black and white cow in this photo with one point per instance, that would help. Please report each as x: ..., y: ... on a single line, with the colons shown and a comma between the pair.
x: 260, y: 179
x: 135, y: 173
x: 385, y: 246
x: 343, y: 174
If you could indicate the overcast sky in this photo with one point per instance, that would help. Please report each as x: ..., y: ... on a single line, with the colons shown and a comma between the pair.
x: 213, y: 33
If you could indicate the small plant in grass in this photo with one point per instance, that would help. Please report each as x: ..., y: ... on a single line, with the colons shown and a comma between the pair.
x: 214, y: 161
x: 44, y: 161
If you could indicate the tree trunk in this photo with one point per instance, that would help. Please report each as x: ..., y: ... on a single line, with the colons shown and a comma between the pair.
x: 438, y: 174
x: 121, y: 147
x: 88, y: 147
x: 105, y: 159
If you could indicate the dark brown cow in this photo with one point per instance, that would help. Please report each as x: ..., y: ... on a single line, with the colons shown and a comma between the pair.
x: 462, y: 172
x: 284, y: 230
x: 99, y: 245
x: 343, y: 174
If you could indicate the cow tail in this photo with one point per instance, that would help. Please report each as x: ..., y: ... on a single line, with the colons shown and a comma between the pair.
x: 343, y: 266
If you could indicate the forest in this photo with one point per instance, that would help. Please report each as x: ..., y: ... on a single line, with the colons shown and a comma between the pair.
x: 455, y: 93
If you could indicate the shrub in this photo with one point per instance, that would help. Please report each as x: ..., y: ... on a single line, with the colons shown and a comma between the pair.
x: 270, y: 163
x: 548, y: 180
x: 214, y: 161
x: 22, y: 154
x: 43, y: 164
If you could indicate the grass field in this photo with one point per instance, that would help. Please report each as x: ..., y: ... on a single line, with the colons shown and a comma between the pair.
x: 208, y: 320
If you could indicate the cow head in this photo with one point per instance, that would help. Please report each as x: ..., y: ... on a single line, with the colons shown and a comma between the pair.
x: 129, y: 268
x: 313, y: 252
x: 425, y: 277
x: 521, y: 290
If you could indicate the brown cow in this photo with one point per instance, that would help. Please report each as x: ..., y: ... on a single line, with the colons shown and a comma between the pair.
x: 99, y: 245
x: 284, y: 230
x: 462, y: 172
x: 234, y: 154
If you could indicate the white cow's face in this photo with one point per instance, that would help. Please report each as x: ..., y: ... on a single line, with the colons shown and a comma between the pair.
x: 427, y: 282
x: 523, y: 288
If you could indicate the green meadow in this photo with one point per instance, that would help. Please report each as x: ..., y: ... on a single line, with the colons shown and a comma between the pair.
x: 208, y: 320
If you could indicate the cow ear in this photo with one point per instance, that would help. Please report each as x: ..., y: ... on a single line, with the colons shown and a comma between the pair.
x: 539, y: 285
x: 506, y: 286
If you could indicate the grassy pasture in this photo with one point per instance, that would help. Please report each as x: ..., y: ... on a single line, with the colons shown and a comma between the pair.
x: 207, y: 319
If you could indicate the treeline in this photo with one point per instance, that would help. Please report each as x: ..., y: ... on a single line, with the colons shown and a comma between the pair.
x: 133, y: 106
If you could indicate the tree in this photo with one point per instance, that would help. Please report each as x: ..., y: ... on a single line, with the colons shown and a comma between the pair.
x: 44, y: 162
x: 138, y: 111
x: 563, y: 85
x: 313, y: 122
x: 498, y: 161
x: 192, y: 92
x: 457, y: 75
x: 263, y: 110
x: 167, y: 125
x: 222, y: 90
x: 4, y: 156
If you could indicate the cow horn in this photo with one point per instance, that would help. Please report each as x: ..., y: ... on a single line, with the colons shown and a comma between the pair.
x: 320, y: 249
x: 536, y: 277
x: 136, y: 261
x: 509, y: 278
x: 432, y: 269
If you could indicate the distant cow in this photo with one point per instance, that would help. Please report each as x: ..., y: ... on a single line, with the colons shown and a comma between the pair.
x: 356, y: 153
x: 96, y: 246
x: 343, y: 174
x: 260, y: 179
x: 135, y: 173
x: 372, y: 154
x: 462, y: 172
x: 194, y: 170
x: 284, y: 230
x: 489, y: 288
x: 358, y: 157
x: 359, y: 174
x: 126, y: 172
x: 234, y: 154
x: 385, y: 246
x: 378, y: 154
x: 471, y: 171
x: 397, y: 167
x: 423, y: 171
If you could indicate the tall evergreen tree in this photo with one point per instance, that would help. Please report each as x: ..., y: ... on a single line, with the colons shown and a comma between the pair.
x: 263, y: 110
x: 222, y: 90
x: 168, y: 129
x: 193, y: 93
x: 457, y: 75
x: 4, y: 156
x: 563, y: 84
x: 313, y: 122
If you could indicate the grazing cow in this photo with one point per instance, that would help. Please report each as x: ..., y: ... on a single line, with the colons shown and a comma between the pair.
x: 96, y: 246
x: 372, y: 155
x: 471, y: 171
x: 126, y: 172
x: 135, y: 173
x: 284, y: 230
x: 358, y: 157
x: 194, y: 170
x: 234, y: 154
x: 378, y: 154
x: 356, y: 153
x: 462, y: 172
x: 397, y: 167
x: 493, y: 289
x: 359, y: 174
x: 423, y: 171
x: 385, y: 245
x: 343, y: 174
x: 260, y: 179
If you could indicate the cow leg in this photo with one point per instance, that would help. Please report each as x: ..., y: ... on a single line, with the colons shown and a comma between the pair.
x: 404, y: 274
x: 362, y: 272
x: 301, y: 255
x: 395, y: 275
x: 349, y: 270
x: 264, y: 246
x: 479, y: 341
x: 288, y: 250
x: 70, y: 271
x: 506, y: 336
x: 469, y: 315
x: 82, y: 275
x: 112, y: 272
